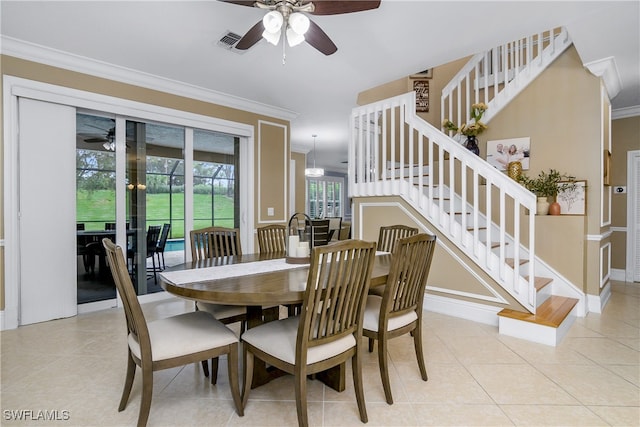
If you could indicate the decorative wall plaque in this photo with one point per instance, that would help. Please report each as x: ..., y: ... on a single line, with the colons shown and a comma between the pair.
x: 421, y: 87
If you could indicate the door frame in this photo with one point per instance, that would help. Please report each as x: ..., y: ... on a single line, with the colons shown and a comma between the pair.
x: 633, y: 202
x: 15, y: 87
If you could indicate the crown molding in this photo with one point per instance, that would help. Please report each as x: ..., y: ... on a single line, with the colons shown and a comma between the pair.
x: 606, y: 69
x: 623, y: 113
x: 37, y: 53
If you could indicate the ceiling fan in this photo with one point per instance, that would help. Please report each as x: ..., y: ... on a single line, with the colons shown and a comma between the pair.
x: 288, y: 17
x: 108, y: 140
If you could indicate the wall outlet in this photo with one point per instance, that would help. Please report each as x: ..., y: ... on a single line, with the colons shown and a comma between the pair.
x: 270, y: 212
x: 619, y: 189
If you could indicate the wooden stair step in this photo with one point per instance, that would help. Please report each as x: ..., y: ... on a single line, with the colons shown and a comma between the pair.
x: 511, y: 261
x: 550, y: 313
x: 540, y: 282
x: 480, y: 227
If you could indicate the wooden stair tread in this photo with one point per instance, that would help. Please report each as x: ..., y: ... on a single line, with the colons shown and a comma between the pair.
x: 510, y: 261
x: 550, y: 313
x: 480, y: 227
x: 540, y: 282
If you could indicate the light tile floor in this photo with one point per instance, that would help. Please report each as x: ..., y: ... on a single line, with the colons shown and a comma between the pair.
x: 76, y: 367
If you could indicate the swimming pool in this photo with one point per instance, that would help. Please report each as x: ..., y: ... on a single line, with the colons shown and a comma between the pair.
x: 174, y: 245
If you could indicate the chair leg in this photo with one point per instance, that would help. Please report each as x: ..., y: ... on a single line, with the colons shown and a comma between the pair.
x: 205, y: 367
x: 384, y: 369
x: 356, y: 367
x: 232, y: 360
x: 301, y: 396
x: 128, y: 382
x: 145, y: 399
x: 214, y: 371
x: 248, y: 375
x: 417, y: 343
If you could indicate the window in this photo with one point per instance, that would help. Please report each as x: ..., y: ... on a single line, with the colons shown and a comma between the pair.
x: 324, y: 197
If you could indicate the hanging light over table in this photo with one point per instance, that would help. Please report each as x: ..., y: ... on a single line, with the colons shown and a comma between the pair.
x: 314, y: 172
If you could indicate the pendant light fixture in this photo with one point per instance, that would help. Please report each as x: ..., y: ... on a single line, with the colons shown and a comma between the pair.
x: 314, y: 172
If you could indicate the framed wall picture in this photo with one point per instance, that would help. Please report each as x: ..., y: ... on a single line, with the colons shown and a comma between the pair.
x: 503, y: 151
x: 421, y: 87
x: 573, y: 201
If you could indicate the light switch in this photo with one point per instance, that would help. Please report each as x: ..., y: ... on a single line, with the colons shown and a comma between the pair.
x: 270, y: 212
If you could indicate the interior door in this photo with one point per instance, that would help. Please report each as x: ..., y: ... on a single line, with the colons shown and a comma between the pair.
x: 47, y: 234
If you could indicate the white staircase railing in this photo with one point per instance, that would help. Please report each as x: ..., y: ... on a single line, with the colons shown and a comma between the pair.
x: 395, y: 152
x: 496, y: 76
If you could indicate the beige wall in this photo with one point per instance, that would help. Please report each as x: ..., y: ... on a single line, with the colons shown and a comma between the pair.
x: 625, y: 137
x: 269, y: 131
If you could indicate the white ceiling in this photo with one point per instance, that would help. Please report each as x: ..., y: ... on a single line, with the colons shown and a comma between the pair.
x: 177, y: 40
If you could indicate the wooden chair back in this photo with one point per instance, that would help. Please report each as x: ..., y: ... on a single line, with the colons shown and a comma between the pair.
x: 407, y: 280
x: 320, y: 231
x: 272, y: 238
x: 336, y: 293
x: 214, y: 242
x: 136, y: 323
x: 389, y: 235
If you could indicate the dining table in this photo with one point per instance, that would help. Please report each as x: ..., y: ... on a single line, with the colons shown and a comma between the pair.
x: 256, y: 281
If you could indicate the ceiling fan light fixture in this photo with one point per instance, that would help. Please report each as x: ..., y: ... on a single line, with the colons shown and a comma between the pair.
x: 294, y: 38
x: 299, y: 23
x: 273, y: 38
x: 273, y: 21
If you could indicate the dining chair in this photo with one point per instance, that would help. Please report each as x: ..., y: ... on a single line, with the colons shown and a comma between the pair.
x: 387, y: 239
x: 162, y: 243
x: 214, y: 242
x: 399, y: 310
x: 390, y: 234
x: 335, y: 225
x: 167, y: 343
x: 320, y: 229
x: 272, y: 238
x: 328, y: 330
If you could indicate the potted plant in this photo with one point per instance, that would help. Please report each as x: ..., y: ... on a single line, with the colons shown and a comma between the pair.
x: 545, y: 185
x: 470, y: 130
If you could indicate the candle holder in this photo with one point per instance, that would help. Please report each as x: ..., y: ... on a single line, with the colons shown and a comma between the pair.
x: 300, y: 239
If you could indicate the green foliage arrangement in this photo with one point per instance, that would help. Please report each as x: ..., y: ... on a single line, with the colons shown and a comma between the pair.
x: 547, y: 183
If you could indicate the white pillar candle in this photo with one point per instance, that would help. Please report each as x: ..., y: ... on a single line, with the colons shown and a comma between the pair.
x: 292, y: 250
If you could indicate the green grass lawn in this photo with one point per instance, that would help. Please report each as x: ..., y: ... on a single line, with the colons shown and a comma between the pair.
x: 97, y: 207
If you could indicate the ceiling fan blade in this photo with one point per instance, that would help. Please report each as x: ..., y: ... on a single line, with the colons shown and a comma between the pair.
x: 249, y: 3
x: 319, y: 39
x: 334, y: 7
x: 252, y: 36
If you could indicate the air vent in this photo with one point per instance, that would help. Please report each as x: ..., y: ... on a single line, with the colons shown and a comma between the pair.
x: 229, y: 40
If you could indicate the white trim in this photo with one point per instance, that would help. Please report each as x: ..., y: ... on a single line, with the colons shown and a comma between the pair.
x: 98, y: 305
x: 481, y: 313
x: 15, y: 86
x: 599, y: 237
x: 618, y: 274
x: 607, y: 69
x: 57, y: 58
x: 605, y: 264
x: 605, y: 117
x: 624, y: 113
x: 272, y: 220
x: 439, y: 242
x: 596, y: 303
x: 633, y: 201
x: 618, y: 229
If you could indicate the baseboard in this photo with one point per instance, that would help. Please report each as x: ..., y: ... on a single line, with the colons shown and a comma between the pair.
x: 89, y: 307
x: 8, y: 320
x: 596, y: 303
x: 480, y: 313
x: 618, y: 274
